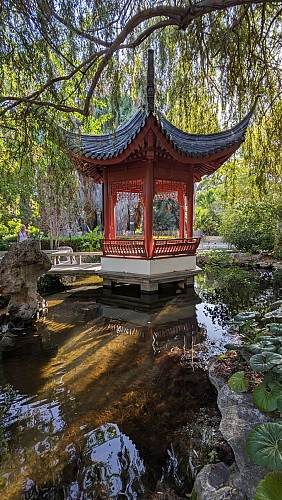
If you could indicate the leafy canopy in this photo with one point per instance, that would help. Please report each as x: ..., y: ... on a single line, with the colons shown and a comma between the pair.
x: 63, y: 61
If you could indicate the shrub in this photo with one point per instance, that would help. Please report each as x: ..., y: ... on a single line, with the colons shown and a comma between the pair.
x: 249, y: 229
x: 220, y: 258
x: 50, y: 283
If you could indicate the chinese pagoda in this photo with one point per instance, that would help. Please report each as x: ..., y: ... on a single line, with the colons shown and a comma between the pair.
x: 145, y: 160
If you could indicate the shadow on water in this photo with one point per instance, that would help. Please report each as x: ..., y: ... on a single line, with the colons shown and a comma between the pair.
x: 107, y: 392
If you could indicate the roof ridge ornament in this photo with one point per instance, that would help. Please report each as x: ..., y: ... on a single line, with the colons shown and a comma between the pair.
x: 150, y: 82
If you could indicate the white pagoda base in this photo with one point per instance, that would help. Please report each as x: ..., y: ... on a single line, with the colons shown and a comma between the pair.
x: 149, y: 273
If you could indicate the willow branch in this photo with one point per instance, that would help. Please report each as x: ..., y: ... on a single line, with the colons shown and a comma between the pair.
x: 174, y: 16
x: 49, y: 104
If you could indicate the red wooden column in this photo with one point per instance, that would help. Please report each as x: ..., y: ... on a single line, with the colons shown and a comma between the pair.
x: 107, y: 215
x: 181, y: 214
x: 148, y: 211
x: 190, y: 205
x: 113, y: 201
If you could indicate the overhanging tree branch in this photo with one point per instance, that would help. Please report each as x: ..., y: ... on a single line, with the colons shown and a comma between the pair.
x: 157, y: 17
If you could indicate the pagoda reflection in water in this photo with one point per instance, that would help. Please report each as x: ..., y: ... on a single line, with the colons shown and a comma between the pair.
x: 167, y: 319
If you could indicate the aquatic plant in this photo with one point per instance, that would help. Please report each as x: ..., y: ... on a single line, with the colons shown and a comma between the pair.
x: 264, y: 445
x: 275, y: 315
x: 238, y: 382
x: 245, y: 316
x: 266, y: 396
x: 275, y: 328
x: 277, y: 278
x: 265, y: 361
x: 270, y: 487
x: 264, y: 442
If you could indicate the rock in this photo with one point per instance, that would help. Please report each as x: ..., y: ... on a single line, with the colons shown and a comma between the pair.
x: 212, y: 482
x: 245, y: 260
x: 268, y: 264
x: 20, y: 269
x: 238, y: 417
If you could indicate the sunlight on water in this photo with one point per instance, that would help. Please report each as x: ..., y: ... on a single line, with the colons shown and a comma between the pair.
x: 97, y: 399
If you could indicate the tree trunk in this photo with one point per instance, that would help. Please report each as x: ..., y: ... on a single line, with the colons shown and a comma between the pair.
x: 278, y: 237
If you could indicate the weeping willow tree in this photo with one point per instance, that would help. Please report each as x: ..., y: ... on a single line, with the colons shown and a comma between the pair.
x: 61, y: 60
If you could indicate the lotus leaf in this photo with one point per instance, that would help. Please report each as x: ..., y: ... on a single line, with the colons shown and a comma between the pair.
x: 266, y: 343
x: 238, y: 383
x: 275, y: 328
x: 268, y: 377
x: 276, y: 315
x: 270, y: 487
x: 276, y: 304
x: 264, y: 445
x: 277, y: 369
x: 265, y: 396
x: 276, y: 341
x: 264, y: 338
x: 254, y: 348
x: 245, y: 316
x: 279, y: 403
x: 269, y: 348
x: 265, y: 361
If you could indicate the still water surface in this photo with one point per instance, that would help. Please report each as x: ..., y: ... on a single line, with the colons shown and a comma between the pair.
x: 100, y: 391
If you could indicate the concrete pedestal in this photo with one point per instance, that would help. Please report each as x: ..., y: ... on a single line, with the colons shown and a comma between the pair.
x: 149, y: 274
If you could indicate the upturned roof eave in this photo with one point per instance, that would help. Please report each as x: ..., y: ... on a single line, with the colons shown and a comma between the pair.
x: 106, y: 147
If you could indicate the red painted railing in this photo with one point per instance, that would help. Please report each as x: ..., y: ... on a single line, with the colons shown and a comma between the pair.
x: 161, y: 248
x: 185, y: 246
x: 124, y: 248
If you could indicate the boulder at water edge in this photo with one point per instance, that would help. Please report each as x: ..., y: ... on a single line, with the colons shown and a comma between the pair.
x: 20, y: 269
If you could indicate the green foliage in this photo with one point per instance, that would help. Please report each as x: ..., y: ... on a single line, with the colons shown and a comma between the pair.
x: 209, y: 205
x: 9, y: 231
x: 265, y: 396
x: 245, y: 316
x: 248, y: 228
x: 50, y: 283
x: 165, y: 215
x: 274, y: 315
x: 213, y: 457
x: 277, y: 278
x: 56, y: 73
x: 275, y: 328
x: 77, y: 243
x: 219, y: 258
x: 248, y: 332
x: 264, y: 445
x: 238, y: 382
x: 264, y: 442
x: 91, y: 241
x: 264, y: 361
x: 270, y: 487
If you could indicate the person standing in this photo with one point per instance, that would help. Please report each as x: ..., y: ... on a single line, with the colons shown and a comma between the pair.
x: 23, y: 234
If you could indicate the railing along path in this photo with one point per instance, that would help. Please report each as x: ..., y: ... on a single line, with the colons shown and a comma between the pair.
x: 60, y: 256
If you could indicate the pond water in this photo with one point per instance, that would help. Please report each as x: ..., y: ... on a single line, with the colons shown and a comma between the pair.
x: 99, y: 402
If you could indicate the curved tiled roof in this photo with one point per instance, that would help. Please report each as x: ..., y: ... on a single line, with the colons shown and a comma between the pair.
x: 201, y: 145
x: 106, y: 146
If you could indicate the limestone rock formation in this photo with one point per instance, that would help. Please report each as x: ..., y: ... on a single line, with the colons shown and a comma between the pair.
x: 238, y: 417
x: 20, y: 269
